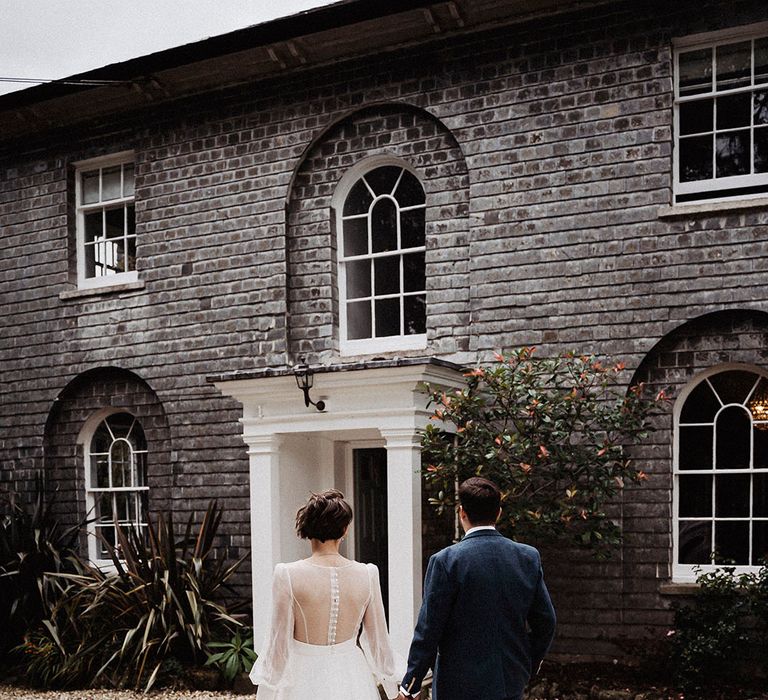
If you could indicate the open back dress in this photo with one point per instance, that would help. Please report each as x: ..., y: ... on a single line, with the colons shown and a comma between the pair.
x: 328, y: 636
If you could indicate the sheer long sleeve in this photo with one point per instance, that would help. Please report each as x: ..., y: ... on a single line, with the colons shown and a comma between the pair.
x: 374, y: 640
x: 268, y: 671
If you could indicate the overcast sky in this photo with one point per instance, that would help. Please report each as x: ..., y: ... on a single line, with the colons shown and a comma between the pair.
x: 56, y: 38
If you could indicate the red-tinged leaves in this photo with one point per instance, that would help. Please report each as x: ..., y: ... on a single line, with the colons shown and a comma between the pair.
x: 564, y: 415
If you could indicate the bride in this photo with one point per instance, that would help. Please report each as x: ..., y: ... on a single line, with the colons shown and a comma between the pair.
x: 328, y: 637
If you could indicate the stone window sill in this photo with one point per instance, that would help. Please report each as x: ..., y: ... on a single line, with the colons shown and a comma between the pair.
x: 673, y: 589
x: 102, y: 291
x: 679, y: 210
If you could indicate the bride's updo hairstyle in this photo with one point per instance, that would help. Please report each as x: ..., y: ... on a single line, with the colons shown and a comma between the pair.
x: 325, y: 516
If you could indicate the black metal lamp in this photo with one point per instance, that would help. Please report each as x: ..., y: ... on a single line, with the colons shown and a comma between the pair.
x: 304, y: 379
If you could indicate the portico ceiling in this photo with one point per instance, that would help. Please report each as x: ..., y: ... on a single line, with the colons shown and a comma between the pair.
x: 314, y: 38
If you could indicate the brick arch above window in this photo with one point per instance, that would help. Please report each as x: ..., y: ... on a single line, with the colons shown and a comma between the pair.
x: 74, y: 417
x: 401, y: 135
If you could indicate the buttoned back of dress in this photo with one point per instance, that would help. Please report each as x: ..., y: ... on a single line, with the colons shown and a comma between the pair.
x: 329, y: 601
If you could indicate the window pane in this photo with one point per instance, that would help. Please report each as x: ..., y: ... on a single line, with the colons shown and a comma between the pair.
x: 114, y: 223
x: 383, y: 180
x: 104, y: 508
x: 130, y: 229
x: 384, y: 225
x: 732, y: 496
x: 386, y: 275
x: 700, y: 406
x: 759, y: 543
x: 130, y: 253
x: 415, y: 311
x: 358, y: 279
x: 412, y: 228
x: 121, y: 463
x: 760, y: 108
x: 732, y: 437
x: 733, y: 386
x: 110, y: 183
x: 358, y: 200
x: 734, y: 65
x: 101, y: 440
x: 123, y: 504
x: 359, y: 320
x: 695, y: 542
x: 760, y: 496
x: 91, y: 187
x: 387, y: 317
x: 733, y: 157
x: 120, y: 424
x: 100, y: 476
x: 731, y: 542
x: 414, y: 272
x: 696, y: 117
x: 695, y: 71
x: 108, y: 534
x: 128, y: 180
x: 137, y: 438
x: 93, y: 226
x: 143, y: 506
x: 140, y: 468
x: 734, y: 110
x: 409, y: 192
x: 356, y: 236
x: 761, y: 150
x: 695, y: 447
x: 761, y: 61
x: 760, y: 446
x: 695, y: 158
x: 695, y: 496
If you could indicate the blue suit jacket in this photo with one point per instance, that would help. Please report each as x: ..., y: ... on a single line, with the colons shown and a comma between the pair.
x: 486, y: 620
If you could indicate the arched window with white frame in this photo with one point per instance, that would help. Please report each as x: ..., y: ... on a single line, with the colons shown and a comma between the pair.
x: 721, y: 472
x: 380, y: 213
x: 116, y: 485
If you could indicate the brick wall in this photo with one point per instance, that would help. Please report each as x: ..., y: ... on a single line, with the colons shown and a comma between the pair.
x: 545, y: 150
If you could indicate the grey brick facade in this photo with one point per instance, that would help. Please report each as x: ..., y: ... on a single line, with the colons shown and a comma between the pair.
x: 545, y: 151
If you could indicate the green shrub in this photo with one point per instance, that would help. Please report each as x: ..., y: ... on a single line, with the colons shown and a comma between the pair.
x: 32, y: 543
x: 166, y: 600
x: 553, y: 434
x: 722, y: 634
x: 233, y: 657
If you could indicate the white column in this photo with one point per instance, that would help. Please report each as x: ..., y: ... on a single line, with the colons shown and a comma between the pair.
x: 263, y: 451
x: 404, y: 533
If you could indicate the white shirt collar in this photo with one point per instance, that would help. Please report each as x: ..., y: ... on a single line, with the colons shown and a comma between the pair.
x: 480, y: 527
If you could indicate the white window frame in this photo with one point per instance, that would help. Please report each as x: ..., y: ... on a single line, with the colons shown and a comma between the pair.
x: 367, y: 346
x: 715, y: 185
x: 91, y: 492
x: 81, y: 167
x: 686, y: 573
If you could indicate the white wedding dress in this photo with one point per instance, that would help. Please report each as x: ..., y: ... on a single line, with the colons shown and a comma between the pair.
x: 328, y: 637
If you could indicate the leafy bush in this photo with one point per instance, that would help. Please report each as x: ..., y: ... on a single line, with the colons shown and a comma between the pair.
x: 723, y: 634
x: 233, y: 657
x: 32, y: 543
x: 166, y: 600
x: 551, y: 432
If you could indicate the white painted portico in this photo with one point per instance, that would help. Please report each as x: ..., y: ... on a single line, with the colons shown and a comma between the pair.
x: 294, y: 450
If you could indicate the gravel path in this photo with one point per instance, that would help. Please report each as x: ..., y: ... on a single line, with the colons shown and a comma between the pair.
x: 12, y: 693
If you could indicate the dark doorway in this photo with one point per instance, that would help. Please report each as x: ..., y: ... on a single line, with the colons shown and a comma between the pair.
x: 369, y: 467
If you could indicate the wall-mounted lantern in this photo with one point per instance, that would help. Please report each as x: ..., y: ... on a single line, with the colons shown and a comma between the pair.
x: 304, y: 380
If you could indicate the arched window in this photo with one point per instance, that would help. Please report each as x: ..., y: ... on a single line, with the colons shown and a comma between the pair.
x: 382, y: 278
x: 721, y: 472
x: 116, y: 481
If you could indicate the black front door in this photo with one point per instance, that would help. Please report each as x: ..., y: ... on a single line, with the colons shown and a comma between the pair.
x: 370, y: 476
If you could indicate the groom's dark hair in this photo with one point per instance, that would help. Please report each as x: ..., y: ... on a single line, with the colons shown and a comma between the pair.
x: 480, y: 499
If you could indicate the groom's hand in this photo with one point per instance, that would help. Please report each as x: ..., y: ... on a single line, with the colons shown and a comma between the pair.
x: 403, y: 696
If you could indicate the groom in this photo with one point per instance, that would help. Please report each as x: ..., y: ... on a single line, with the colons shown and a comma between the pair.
x: 486, y: 620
